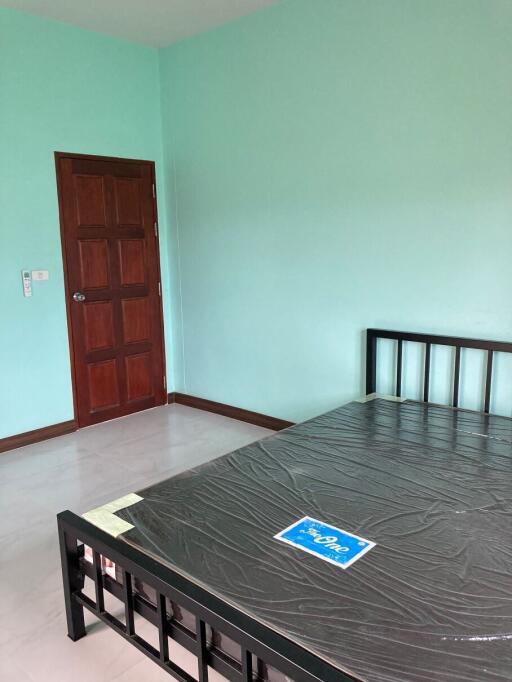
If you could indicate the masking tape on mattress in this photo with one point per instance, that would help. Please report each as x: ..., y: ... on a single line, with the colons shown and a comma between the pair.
x: 380, y: 396
x: 104, y: 517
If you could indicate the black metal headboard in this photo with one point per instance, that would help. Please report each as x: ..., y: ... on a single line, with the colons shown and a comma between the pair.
x: 429, y: 340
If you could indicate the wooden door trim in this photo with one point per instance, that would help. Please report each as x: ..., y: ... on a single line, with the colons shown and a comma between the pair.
x: 59, y: 156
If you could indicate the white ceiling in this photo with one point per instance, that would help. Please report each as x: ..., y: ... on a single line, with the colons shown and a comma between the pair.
x: 151, y: 22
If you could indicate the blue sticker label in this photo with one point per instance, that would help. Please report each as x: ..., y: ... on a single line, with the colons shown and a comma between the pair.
x: 326, y: 542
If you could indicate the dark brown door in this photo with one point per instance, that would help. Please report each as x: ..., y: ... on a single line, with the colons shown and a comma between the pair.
x: 110, y: 246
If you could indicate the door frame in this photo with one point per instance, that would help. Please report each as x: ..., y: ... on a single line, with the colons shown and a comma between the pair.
x: 67, y: 290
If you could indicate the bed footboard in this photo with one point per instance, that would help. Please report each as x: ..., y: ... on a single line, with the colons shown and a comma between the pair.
x: 261, y: 649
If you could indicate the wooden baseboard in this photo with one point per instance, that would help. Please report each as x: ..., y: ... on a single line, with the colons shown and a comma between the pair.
x: 37, y: 435
x: 242, y: 415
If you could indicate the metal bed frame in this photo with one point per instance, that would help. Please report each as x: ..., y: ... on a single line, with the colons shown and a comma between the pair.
x: 491, y: 347
x: 259, y: 644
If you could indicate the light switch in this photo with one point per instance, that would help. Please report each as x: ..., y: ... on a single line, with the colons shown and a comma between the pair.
x: 40, y: 275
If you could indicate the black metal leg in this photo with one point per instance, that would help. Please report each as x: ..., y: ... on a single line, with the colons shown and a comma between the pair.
x: 73, y: 581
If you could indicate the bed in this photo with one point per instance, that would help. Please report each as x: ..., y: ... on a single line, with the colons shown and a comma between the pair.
x: 427, y: 487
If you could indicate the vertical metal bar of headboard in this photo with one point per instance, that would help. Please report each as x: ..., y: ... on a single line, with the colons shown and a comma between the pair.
x: 426, y: 375
x: 456, y: 378
x: 371, y: 362
x: 398, y: 390
x: 488, y: 379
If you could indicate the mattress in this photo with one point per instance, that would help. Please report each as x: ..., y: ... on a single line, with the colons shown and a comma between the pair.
x: 430, y: 486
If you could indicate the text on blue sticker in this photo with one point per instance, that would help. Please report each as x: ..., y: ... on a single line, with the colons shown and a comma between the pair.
x: 325, y: 541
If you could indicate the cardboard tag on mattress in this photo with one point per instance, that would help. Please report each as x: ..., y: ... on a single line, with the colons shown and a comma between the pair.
x: 325, y: 541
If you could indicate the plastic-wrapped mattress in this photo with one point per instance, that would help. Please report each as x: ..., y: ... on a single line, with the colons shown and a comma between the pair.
x: 431, y: 486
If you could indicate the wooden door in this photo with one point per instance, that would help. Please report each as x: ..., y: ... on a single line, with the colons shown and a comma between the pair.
x: 110, y: 247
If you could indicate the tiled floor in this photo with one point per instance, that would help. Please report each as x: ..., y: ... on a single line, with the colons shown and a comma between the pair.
x: 78, y: 472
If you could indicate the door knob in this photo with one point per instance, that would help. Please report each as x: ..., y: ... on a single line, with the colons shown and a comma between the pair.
x: 78, y: 297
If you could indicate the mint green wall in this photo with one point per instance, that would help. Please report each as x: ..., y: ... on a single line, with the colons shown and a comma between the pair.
x: 327, y: 165
x: 63, y: 89
x: 339, y: 164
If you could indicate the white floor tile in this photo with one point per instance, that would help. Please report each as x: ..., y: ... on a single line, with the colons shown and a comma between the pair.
x: 80, y: 471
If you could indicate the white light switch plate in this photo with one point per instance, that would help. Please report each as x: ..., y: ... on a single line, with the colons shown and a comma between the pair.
x: 40, y: 275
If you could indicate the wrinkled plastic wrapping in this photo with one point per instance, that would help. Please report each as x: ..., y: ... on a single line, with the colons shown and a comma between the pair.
x: 431, y: 486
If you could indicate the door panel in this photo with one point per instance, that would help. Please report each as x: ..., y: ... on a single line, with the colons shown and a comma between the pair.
x: 108, y: 219
x: 128, y: 202
x: 94, y: 263
x: 132, y: 261
x: 103, y: 385
x: 136, y: 320
x: 99, y: 326
x: 138, y: 376
x: 90, y: 201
